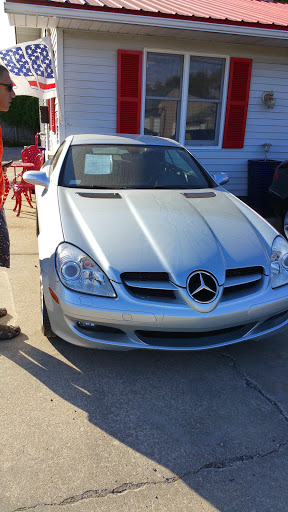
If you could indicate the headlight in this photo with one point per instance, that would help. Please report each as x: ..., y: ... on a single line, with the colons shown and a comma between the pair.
x: 80, y: 273
x: 279, y: 262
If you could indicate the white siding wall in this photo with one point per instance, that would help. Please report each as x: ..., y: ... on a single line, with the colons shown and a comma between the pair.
x: 90, y: 78
x: 90, y: 93
x: 57, y: 45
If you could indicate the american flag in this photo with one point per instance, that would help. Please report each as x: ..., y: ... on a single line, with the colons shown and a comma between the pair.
x: 30, y: 67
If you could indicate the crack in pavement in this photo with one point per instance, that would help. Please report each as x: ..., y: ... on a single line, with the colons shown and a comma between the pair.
x: 239, y: 458
x: 100, y: 493
x: 251, y: 384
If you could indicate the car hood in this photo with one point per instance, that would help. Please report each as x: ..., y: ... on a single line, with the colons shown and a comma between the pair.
x: 170, y: 231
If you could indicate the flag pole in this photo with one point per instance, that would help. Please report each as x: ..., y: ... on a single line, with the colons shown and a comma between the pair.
x: 47, y: 40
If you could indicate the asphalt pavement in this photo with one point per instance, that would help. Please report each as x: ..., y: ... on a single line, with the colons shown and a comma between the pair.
x: 12, y: 153
x: 86, y: 431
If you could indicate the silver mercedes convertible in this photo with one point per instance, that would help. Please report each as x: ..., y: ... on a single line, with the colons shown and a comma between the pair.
x: 140, y: 247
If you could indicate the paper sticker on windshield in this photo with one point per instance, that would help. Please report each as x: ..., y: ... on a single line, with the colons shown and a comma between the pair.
x: 98, y: 164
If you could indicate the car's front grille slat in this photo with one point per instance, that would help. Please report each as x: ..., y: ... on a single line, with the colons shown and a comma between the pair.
x: 239, y: 280
x: 243, y: 272
x: 242, y: 279
x: 147, y: 285
x: 156, y: 285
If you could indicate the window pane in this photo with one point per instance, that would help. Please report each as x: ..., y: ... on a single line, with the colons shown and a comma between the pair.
x: 201, y: 121
x: 205, y: 78
x: 163, y: 76
x: 161, y: 118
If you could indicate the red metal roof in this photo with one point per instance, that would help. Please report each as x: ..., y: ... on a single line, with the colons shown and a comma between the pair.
x: 243, y: 12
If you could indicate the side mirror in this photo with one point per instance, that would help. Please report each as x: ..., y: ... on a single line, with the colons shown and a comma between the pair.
x: 36, y: 178
x: 220, y: 177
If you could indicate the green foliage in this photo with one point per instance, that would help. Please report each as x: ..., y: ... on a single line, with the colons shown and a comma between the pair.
x: 24, y: 111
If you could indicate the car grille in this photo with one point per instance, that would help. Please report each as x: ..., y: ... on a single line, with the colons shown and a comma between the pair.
x: 156, y: 285
x: 241, y: 280
x: 194, y: 339
x: 147, y: 285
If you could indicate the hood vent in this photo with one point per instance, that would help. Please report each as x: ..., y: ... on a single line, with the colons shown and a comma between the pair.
x: 100, y: 195
x: 198, y: 195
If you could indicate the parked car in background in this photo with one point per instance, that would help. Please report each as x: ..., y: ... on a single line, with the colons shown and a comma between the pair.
x: 141, y: 248
x: 279, y: 195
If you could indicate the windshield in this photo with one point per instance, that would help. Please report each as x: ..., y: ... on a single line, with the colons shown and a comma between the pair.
x: 133, y: 166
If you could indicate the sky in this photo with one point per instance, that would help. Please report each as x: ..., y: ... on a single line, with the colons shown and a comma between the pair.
x: 7, y: 37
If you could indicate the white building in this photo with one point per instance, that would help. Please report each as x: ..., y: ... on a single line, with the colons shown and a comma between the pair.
x: 194, y: 71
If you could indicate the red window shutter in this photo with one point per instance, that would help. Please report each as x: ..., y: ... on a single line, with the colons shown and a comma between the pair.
x: 237, y: 103
x: 49, y: 113
x: 129, y: 80
x: 53, y: 122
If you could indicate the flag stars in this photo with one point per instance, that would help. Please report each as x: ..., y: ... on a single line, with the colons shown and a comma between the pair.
x: 30, y: 61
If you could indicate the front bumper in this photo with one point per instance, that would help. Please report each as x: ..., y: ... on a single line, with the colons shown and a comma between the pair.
x: 127, y: 323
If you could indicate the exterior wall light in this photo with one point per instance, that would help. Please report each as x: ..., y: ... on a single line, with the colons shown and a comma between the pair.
x: 268, y: 99
x: 266, y: 147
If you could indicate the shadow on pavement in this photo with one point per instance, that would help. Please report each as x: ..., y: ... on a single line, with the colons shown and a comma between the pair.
x: 189, y: 412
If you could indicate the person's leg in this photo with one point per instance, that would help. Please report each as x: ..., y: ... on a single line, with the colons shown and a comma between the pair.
x: 7, y: 332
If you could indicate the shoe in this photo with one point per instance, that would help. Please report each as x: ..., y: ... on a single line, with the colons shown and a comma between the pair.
x: 7, y: 332
x: 3, y: 312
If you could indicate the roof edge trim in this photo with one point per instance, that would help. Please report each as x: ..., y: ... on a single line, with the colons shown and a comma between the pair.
x: 145, y: 18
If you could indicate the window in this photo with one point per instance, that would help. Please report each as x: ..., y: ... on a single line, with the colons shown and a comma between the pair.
x: 204, y: 100
x: 165, y: 96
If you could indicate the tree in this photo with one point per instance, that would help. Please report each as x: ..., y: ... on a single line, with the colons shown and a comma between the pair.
x: 24, y: 111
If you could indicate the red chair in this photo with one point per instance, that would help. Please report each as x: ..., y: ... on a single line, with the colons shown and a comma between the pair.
x: 29, y: 154
x: 20, y: 187
x: 38, y: 162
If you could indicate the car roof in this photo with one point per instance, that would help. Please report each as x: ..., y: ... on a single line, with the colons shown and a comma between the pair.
x: 150, y: 140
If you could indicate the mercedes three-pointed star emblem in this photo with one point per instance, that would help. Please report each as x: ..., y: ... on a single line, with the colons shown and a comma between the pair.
x: 202, y: 286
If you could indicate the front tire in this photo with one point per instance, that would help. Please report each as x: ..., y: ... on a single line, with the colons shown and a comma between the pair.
x: 45, y: 322
x: 37, y: 222
x: 285, y: 224
x: 37, y: 225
